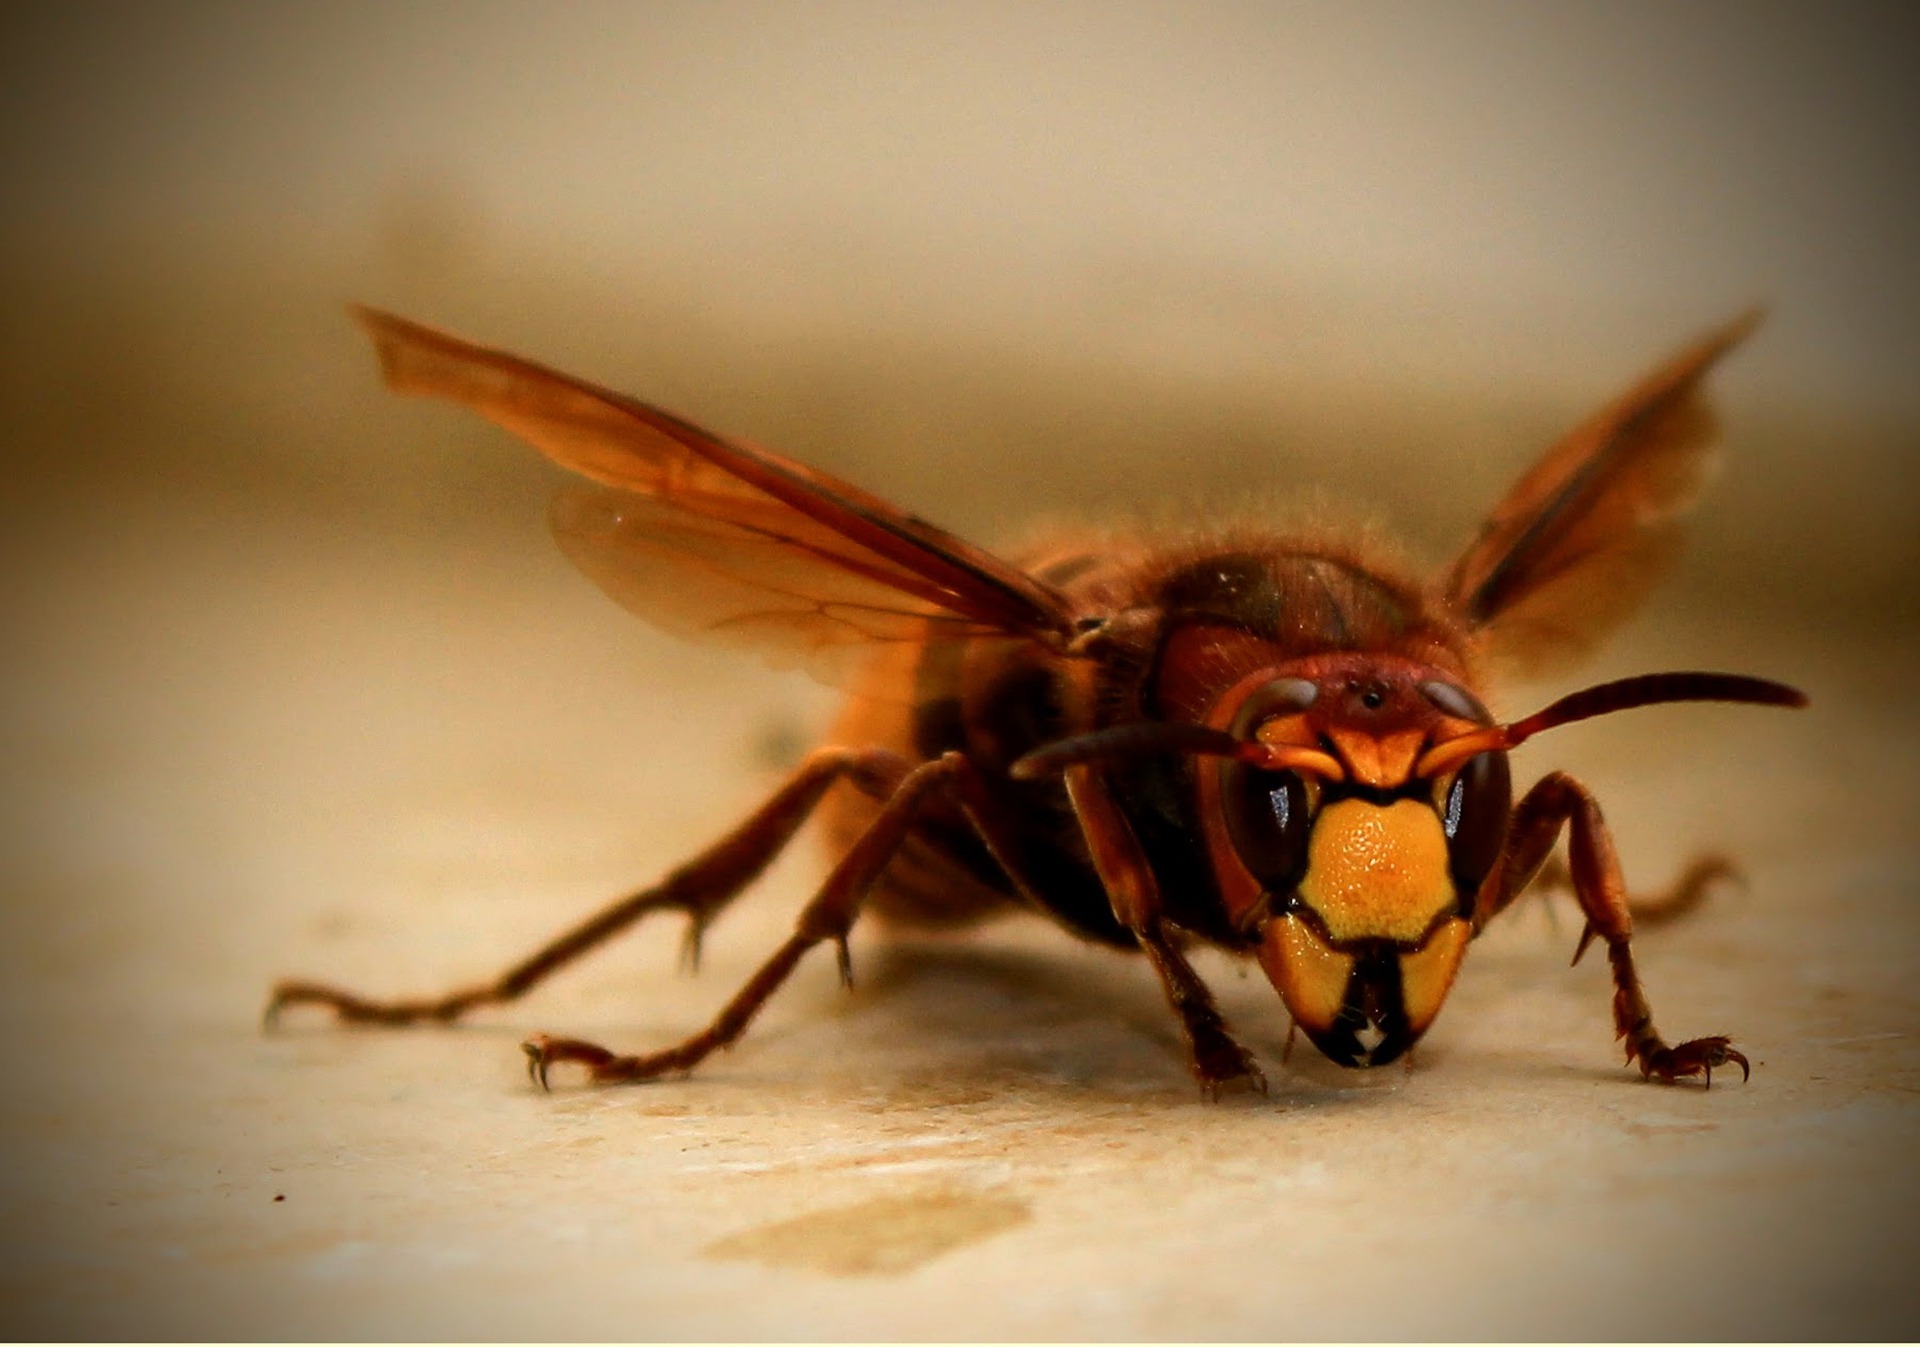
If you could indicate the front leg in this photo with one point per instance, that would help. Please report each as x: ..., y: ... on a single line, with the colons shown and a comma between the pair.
x: 1594, y: 871
x: 1217, y: 1057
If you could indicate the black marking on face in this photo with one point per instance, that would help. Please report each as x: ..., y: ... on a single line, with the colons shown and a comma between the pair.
x: 1371, y: 1028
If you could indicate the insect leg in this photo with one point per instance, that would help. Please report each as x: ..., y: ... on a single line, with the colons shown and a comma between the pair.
x: 1217, y: 1057
x: 1654, y: 909
x: 700, y: 888
x: 1594, y: 870
x: 829, y: 916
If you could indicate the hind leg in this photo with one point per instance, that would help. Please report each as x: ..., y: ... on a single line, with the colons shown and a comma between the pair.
x: 700, y: 888
x: 1677, y: 900
x: 829, y: 916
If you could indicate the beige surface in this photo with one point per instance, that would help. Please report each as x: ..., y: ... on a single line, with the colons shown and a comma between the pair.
x: 248, y: 741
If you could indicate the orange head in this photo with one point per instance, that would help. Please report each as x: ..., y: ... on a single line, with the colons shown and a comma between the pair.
x: 1354, y: 870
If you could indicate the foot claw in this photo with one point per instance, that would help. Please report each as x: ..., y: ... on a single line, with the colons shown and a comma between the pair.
x: 1222, y: 1061
x: 536, y: 1050
x: 346, y: 1007
x: 1695, y: 1057
x: 543, y: 1051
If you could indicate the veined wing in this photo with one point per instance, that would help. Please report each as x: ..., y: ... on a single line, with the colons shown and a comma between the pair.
x: 1579, y: 540
x: 711, y: 538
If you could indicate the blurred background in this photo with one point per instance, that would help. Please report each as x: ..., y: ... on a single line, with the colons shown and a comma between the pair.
x: 295, y: 682
x: 1236, y: 248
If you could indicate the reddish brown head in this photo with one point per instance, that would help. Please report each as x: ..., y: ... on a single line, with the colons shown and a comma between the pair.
x: 1355, y: 871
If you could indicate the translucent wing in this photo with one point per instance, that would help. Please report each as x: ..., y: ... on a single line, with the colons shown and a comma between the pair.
x: 738, y: 584
x: 1578, y: 541
x: 710, y: 538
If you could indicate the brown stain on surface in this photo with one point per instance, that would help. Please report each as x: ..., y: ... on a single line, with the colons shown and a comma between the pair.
x: 883, y: 1237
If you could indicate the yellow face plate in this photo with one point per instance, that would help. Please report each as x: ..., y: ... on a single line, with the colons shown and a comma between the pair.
x: 1377, y: 871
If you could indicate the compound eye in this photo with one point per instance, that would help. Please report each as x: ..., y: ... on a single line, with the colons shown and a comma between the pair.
x: 1453, y: 700
x: 1267, y: 819
x: 1281, y: 697
x: 1475, y: 820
